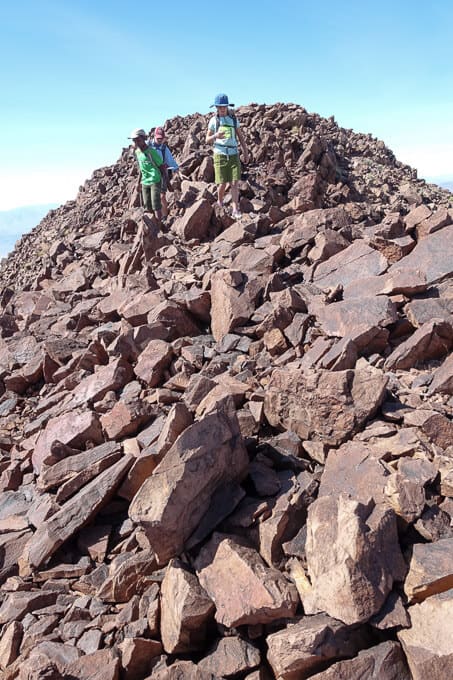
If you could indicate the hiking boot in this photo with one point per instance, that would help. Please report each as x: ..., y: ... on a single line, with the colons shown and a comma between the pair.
x: 236, y: 214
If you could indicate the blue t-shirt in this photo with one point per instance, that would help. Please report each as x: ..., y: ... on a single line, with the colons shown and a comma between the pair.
x: 229, y: 144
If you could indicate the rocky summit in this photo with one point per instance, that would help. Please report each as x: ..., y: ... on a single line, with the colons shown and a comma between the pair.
x: 226, y: 446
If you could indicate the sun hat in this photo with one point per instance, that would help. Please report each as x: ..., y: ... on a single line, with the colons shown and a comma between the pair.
x: 138, y: 132
x: 221, y: 100
x: 159, y: 132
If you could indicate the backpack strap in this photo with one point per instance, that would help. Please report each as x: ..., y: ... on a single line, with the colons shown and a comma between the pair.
x: 149, y: 156
x: 232, y: 116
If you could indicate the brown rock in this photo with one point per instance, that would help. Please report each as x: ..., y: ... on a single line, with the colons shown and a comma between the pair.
x: 420, y: 311
x: 351, y: 590
x: 176, y: 320
x: 433, y: 255
x: 433, y: 340
x: 75, y: 513
x: 106, y: 379
x: 179, y: 419
x: 438, y: 429
x: 416, y: 215
x: 73, y: 428
x: 243, y: 589
x: 355, y: 262
x: 296, y: 330
x: 195, y: 223
x: 428, y: 644
x: 186, y: 610
x: 404, y: 489
x: 153, y: 361
x: 430, y: 570
x: 323, y: 405
x: 125, y: 418
x: 341, y: 356
x: 392, y: 615
x: 136, y: 311
x: 65, y: 469
x: 358, y: 314
x: 442, y: 382
x: 439, y: 219
x: 383, y: 662
x: 231, y: 305
x: 180, y: 670
x: 327, y: 244
x: 231, y: 655
x: 99, y: 665
x: 10, y: 643
x: 128, y: 575
x: 137, y: 655
x: 295, y: 495
x: 171, y: 503
x: 17, y: 605
x: 301, y: 648
x: 12, y: 545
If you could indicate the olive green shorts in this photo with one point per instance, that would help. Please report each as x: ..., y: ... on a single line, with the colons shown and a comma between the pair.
x: 226, y: 168
x: 151, y: 196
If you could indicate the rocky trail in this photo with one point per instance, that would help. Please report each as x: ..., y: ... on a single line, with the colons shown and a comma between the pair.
x: 226, y: 448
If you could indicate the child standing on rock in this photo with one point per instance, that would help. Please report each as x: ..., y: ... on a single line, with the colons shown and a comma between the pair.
x: 224, y: 132
x: 150, y: 163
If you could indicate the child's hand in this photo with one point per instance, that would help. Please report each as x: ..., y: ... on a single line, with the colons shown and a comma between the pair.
x: 220, y: 134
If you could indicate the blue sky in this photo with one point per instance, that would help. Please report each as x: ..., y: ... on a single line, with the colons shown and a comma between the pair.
x: 76, y: 77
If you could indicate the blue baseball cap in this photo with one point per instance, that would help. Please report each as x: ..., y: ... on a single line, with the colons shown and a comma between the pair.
x: 221, y: 100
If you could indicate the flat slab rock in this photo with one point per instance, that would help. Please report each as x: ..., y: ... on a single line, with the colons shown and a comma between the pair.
x: 324, y: 405
x: 243, y: 588
x: 433, y: 255
x: 383, y: 662
x: 358, y: 314
x: 358, y: 261
x: 75, y: 513
x: 430, y: 570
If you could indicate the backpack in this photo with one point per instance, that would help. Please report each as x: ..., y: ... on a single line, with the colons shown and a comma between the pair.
x: 162, y: 151
x: 232, y: 115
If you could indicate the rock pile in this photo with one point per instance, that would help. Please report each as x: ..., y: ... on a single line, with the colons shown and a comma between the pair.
x: 226, y: 448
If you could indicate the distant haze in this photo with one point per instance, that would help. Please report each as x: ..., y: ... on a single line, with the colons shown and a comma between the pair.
x: 15, y: 223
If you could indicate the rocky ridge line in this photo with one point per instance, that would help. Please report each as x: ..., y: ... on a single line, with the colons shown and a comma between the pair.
x: 226, y: 448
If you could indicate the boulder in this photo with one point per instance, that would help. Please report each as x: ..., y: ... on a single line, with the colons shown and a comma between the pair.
x: 352, y: 589
x: 301, y: 648
x: 430, y: 570
x: 433, y: 340
x: 243, y: 589
x: 171, y: 503
x: 195, y: 222
x: 383, y: 662
x: 357, y: 261
x: 231, y: 305
x: 74, y: 428
x: 428, y: 643
x: 186, y: 610
x: 324, y: 405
